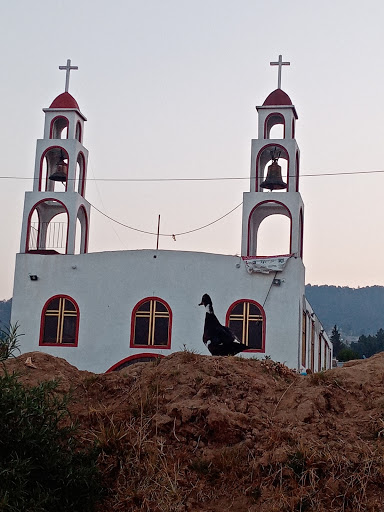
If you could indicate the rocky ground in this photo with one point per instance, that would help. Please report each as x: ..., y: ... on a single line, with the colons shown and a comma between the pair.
x: 201, y: 433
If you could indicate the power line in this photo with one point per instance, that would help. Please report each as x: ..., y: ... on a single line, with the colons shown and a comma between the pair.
x: 173, y: 235
x: 220, y: 178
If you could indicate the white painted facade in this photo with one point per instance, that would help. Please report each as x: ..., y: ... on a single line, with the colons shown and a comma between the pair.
x: 107, y: 287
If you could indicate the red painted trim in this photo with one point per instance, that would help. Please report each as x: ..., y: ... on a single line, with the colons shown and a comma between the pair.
x: 82, y: 172
x: 135, y: 356
x: 266, y: 257
x: 78, y: 124
x: 146, y: 299
x: 249, y: 223
x: 266, y: 131
x: 260, y: 307
x: 301, y: 234
x: 319, y: 352
x: 258, y: 161
x: 293, y: 128
x: 53, y: 122
x: 43, y: 251
x: 297, y: 171
x: 41, y: 167
x: 27, y: 249
x: 82, y: 207
x: 41, y: 344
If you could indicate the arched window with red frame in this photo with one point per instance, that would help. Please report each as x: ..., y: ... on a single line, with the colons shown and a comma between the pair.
x: 246, y: 318
x: 151, y: 324
x: 60, y: 322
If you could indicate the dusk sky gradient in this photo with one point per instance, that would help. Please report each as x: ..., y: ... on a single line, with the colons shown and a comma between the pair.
x: 169, y: 88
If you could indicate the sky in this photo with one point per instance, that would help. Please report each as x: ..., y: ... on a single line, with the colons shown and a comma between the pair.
x: 169, y: 88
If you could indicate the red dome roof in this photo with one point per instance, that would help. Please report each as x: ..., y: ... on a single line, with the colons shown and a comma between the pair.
x: 64, y: 100
x: 278, y: 97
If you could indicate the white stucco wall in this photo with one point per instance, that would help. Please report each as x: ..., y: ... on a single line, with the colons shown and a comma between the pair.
x: 108, y: 285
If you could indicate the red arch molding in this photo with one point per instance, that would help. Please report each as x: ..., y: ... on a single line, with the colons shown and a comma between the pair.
x: 61, y: 296
x: 277, y: 114
x: 81, y: 155
x: 78, y: 125
x: 301, y: 233
x: 260, y: 307
x: 82, y: 207
x: 29, y: 221
x: 135, y: 356
x: 290, y: 218
x: 53, y: 121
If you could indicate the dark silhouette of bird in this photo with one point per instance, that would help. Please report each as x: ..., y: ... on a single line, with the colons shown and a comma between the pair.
x: 219, y: 339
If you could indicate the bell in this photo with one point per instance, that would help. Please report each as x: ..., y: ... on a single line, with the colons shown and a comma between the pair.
x: 61, y: 171
x: 274, y: 180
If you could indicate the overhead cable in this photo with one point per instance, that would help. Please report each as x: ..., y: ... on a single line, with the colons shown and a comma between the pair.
x: 172, y: 235
x: 219, y: 178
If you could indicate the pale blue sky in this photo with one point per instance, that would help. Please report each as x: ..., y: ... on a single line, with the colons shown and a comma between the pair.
x: 169, y: 89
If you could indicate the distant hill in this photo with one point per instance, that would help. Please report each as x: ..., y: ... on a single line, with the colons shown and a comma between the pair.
x: 355, y: 311
x: 5, y: 313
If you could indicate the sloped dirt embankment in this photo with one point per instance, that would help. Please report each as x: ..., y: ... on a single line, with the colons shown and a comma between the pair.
x: 199, y: 433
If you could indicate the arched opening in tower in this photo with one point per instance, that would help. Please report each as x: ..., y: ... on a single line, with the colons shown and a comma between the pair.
x: 81, y: 231
x: 53, y: 161
x: 273, y: 237
x: 59, y: 128
x: 48, y: 227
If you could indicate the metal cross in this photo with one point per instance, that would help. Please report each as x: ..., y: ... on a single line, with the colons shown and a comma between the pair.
x: 68, y: 68
x: 279, y: 63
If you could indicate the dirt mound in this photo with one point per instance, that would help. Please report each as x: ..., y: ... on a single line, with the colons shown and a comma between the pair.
x: 201, y: 433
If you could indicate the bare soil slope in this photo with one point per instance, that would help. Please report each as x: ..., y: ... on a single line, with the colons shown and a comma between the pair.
x: 201, y: 433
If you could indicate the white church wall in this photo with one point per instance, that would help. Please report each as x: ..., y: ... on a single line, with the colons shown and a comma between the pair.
x: 107, y: 286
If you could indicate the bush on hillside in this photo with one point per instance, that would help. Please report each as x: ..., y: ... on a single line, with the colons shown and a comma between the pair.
x: 347, y: 354
x: 41, y: 465
x: 9, y: 342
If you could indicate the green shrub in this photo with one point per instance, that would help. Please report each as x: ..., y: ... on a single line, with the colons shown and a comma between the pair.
x: 347, y: 354
x: 42, y: 468
x: 9, y: 342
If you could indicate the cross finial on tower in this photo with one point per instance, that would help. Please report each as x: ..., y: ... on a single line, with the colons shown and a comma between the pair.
x: 279, y: 63
x: 68, y: 68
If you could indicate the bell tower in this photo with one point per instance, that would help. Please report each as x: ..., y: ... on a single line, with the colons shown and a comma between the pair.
x: 56, y: 214
x: 271, y: 193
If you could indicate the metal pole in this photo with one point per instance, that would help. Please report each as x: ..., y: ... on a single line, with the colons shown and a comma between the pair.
x: 158, y: 233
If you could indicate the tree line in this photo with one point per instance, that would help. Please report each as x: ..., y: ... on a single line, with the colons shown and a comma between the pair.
x: 366, y: 346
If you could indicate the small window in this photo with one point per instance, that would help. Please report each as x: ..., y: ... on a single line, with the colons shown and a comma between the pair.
x: 151, y: 324
x: 246, y: 319
x: 60, y: 322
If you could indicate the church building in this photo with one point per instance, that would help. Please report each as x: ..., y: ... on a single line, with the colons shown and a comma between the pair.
x: 103, y: 311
